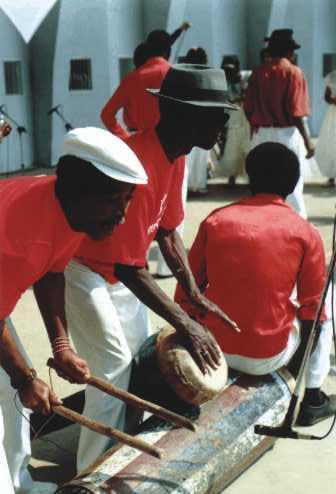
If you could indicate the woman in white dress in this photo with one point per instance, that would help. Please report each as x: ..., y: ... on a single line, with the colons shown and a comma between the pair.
x: 231, y: 163
x: 326, y: 145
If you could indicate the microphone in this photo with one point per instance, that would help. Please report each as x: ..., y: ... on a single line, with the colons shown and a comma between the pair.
x: 283, y: 432
x: 55, y: 108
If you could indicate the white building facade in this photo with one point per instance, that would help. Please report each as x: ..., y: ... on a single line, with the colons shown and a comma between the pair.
x: 83, y: 48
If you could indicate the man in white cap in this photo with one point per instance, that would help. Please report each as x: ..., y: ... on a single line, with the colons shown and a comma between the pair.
x: 106, y: 283
x: 43, y: 220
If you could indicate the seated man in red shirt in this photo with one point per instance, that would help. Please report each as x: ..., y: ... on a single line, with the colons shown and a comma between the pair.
x: 248, y: 257
x: 42, y: 222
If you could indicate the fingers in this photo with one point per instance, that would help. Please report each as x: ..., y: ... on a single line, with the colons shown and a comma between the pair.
x: 54, y: 399
x: 71, y: 367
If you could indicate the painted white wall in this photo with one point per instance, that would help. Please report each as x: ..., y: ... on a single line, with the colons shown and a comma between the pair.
x: 115, y: 27
x: 13, y: 48
x: 155, y: 14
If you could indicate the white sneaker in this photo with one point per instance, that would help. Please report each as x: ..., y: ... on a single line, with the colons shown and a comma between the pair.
x: 43, y: 488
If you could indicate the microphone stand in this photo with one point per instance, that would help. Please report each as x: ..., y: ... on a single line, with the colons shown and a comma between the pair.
x: 67, y: 124
x: 286, y: 430
x: 20, y: 130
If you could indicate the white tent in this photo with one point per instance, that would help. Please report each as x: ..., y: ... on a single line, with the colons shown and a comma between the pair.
x: 26, y: 15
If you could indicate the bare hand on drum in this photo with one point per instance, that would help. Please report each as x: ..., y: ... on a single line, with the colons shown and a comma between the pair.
x: 71, y: 367
x: 201, y: 344
x: 204, y: 305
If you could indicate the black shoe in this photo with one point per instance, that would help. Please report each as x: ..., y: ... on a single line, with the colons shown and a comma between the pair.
x: 312, y: 414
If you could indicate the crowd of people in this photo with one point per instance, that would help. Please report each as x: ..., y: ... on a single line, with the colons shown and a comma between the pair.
x: 117, y: 190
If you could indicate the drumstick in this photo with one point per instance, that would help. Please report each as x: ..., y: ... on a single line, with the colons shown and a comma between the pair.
x: 124, y: 438
x: 137, y: 402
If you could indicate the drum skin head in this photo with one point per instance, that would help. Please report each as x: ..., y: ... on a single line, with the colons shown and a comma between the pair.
x: 183, y: 374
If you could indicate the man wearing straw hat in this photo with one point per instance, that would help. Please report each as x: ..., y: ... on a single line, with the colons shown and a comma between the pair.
x: 43, y: 220
x: 277, y: 103
x: 106, y: 284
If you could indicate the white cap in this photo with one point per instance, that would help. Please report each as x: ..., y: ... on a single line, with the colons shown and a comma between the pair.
x: 106, y: 152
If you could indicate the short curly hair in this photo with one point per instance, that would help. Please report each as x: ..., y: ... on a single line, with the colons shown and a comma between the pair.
x: 272, y: 168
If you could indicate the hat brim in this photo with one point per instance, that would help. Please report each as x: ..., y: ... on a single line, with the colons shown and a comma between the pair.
x: 207, y: 103
x: 291, y: 43
x: 113, y: 173
x: 118, y: 175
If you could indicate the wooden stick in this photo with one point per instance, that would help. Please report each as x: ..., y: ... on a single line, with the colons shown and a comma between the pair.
x: 124, y: 438
x: 137, y: 402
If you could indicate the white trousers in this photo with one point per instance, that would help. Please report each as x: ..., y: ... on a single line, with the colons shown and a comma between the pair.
x: 318, y: 366
x: 15, y: 449
x: 108, y: 324
x: 197, y: 165
x: 5, y: 478
x: 290, y: 137
x: 162, y: 268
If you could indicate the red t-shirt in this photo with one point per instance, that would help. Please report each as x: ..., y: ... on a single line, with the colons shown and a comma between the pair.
x: 157, y: 204
x: 140, y: 109
x: 277, y: 92
x: 35, y: 237
x: 251, y: 254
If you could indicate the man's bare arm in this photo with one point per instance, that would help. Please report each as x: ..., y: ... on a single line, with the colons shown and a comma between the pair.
x: 50, y: 295
x: 302, y: 126
x: 33, y: 392
x: 172, y: 248
x: 199, y: 340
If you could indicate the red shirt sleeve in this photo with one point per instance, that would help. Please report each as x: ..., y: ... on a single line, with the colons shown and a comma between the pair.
x: 298, y: 98
x: 197, y: 262
x: 174, y: 212
x: 311, y: 278
x: 108, y: 114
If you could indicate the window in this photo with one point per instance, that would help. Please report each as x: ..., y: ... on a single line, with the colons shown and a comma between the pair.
x: 329, y: 63
x: 125, y: 66
x: 13, y: 77
x: 80, y: 74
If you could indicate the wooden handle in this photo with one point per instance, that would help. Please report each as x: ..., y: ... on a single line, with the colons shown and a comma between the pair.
x: 124, y: 438
x: 137, y: 402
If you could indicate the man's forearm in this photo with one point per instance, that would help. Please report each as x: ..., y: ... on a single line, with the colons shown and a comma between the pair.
x: 173, y: 251
x: 50, y: 296
x: 302, y: 127
x: 143, y: 285
x: 10, y: 357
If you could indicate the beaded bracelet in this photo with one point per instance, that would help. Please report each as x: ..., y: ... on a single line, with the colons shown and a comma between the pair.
x: 60, y: 344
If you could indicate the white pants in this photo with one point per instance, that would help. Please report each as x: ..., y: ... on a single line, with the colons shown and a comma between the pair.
x: 197, y: 165
x: 107, y: 324
x: 5, y: 478
x: 15, y: 447
x: 318, y: 366
x: 290, y: 137
x: 162, y: 268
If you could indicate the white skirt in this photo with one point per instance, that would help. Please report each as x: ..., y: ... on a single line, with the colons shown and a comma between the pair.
x: 326, y: 144
x: 232, y: 163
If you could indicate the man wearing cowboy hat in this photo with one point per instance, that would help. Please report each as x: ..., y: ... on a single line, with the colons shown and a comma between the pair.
x: 43, y: 220
x: 276, y: 103
x: 107, y: 321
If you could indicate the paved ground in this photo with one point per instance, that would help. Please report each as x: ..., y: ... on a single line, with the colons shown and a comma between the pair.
x: 297, y: 467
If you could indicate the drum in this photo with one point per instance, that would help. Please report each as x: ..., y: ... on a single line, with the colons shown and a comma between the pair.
x: 166, y: 374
